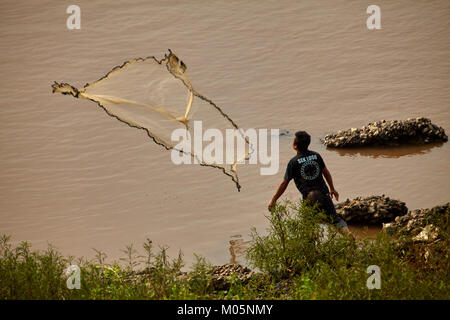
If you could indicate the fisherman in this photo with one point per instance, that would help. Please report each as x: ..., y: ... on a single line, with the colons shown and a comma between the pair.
x: 308, y: 169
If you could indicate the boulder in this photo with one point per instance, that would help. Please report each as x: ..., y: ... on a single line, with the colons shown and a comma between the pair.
x: 418, y: 224
x: 221, y: 275
x: 371, y: 210
x: 388, y: 133
x: 429, y: 233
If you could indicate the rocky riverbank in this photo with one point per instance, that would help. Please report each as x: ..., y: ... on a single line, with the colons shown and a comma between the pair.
x: 419, y: 224
x: 221, y: 275
x: 371, y: 210
x: 388, y: 133
x: 290, y: 262
x: 394, y: 216
x: 417, y: 227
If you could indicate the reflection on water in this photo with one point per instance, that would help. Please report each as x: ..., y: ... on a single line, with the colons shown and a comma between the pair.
x: 237, y: 249
x: 388, y: 152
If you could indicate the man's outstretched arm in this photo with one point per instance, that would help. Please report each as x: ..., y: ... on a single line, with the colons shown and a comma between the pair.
x: 281, y: 188
x: 329, y: 179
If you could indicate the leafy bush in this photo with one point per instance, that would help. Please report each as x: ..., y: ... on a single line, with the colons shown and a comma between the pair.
x: 25, y: 274
x: 324, y: 263
x: 296, y: 241
x: 301, y: 256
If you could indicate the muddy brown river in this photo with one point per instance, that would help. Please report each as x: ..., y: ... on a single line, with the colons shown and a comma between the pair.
x: 72, y: 176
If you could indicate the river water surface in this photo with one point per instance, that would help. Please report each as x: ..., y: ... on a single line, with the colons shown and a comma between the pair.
x: 72, y: 176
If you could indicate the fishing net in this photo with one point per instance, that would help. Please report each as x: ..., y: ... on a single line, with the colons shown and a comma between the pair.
x: 157, y: 96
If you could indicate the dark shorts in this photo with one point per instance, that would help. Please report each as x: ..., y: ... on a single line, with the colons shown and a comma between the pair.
x: 327, y: 205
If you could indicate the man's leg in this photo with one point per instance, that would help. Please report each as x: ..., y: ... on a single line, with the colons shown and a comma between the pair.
x: 328, y: 205
x: 342, y: 224
x: 338, y: 221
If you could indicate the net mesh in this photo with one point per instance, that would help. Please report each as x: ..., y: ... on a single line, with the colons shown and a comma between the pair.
x: 157, y: 96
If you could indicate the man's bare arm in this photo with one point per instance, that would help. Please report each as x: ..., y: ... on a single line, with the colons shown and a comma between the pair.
x: 281, y: 188
x: 326, y: 173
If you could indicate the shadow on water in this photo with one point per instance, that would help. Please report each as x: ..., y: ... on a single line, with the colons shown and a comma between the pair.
x: 387, y: 152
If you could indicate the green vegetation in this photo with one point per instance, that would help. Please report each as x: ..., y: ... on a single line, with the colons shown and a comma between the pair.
x: 297, y: 258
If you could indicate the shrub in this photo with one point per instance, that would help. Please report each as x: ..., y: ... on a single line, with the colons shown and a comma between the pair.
x: 320, y: 262
x: 300, y: 256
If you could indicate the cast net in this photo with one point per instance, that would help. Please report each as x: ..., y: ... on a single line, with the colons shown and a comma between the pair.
x: 157, y: 96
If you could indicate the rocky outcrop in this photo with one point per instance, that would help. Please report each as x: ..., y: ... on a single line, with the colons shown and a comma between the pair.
x: 388, y: 133
x: 419, y: 224
x: 221, y: 275
x: 371, y: 210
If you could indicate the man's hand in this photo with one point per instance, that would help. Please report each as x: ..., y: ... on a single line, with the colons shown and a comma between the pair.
x: 335, y: 194
x: 271, y: 205
x: 283, y: 185
x: 329, y: 179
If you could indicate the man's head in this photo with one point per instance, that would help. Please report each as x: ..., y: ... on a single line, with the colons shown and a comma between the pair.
x: 301, y: 141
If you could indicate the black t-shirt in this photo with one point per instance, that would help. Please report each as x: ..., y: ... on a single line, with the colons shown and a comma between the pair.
x: 306, y: 170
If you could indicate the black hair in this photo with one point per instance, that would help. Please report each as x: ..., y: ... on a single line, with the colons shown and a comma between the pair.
x: 302, y: 140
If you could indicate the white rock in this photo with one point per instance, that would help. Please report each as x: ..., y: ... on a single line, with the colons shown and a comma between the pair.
x: 429, y: 233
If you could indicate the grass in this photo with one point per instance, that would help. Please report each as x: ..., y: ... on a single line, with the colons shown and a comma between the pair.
x: 297, y: 258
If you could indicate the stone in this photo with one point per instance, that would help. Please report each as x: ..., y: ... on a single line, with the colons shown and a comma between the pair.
x: 429, y: 233
x: 372, y: 209
x: 221, y: 275
x: 415, y: 224
x: 387, y: 227
x: 411, y: 131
